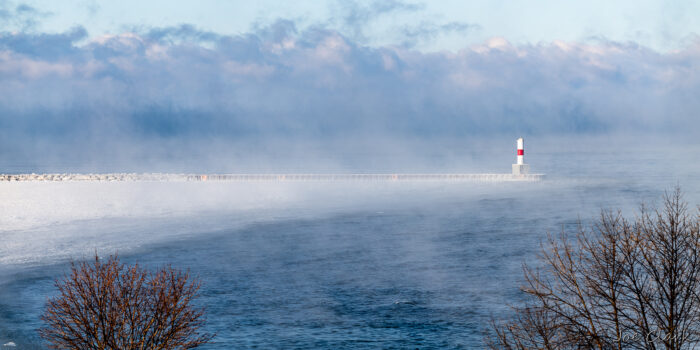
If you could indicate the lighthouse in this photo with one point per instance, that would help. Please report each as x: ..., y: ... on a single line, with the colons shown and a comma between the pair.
x: 520, y: 168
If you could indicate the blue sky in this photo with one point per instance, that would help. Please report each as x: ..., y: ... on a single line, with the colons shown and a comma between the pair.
x: 662, y: 25
x: 92, y: 80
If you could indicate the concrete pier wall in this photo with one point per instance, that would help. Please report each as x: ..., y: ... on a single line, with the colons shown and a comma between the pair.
x: 270, y: 177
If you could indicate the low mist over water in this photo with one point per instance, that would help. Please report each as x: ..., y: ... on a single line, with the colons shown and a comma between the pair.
x: 606, y: 98
x: 327, y: 264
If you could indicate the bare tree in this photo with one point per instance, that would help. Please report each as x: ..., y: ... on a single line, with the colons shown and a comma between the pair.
x: 108, y: 305
x: 619, y: 285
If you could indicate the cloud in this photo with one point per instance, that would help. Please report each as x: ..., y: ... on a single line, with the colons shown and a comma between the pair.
x: 178, y: 89
x: 183, y: 32
x: 427, y: 31
x: 20, y: 17
x: 91, y: 6
x: 356, y: 13
x: 355, y: 16
x: 43, y: 46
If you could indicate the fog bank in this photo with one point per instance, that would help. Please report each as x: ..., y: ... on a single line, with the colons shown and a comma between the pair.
x: 155, y: 97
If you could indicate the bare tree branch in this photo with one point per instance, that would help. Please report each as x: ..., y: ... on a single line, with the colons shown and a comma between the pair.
x: 618, y: 285
x: 107, y: 305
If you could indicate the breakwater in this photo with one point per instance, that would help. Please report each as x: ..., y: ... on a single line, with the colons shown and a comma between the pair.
x: 270, y: 177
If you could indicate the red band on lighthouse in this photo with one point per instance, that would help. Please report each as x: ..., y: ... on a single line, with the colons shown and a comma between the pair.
x: 521, y: 152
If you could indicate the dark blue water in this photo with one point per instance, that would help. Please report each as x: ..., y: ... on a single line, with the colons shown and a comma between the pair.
x: 401, y: 266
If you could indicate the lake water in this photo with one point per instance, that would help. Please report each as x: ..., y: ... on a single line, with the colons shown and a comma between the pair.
x: 325, y: 265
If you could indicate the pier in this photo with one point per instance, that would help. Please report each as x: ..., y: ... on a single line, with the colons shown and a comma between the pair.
x: 520, y: 172
x: 270, y: 177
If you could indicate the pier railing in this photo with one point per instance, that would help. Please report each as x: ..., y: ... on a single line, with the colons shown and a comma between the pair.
x: 270, y: 177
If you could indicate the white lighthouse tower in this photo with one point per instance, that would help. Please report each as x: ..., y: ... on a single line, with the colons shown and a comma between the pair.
x: 520, y: 168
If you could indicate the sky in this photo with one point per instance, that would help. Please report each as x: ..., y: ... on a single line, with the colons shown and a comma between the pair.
x: 661, y: 25
x: 84, y: 81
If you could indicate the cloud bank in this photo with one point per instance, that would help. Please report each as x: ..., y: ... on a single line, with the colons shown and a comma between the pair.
x: 178, y: 88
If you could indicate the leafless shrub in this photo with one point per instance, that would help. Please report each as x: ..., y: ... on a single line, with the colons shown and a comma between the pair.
x: 108, y: 305
x: 620, y: 285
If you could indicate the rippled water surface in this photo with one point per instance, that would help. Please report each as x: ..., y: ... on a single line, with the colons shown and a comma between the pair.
x: 324, y: 265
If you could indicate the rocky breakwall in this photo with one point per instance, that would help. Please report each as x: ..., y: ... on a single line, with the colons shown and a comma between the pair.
x: 93, y: 177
